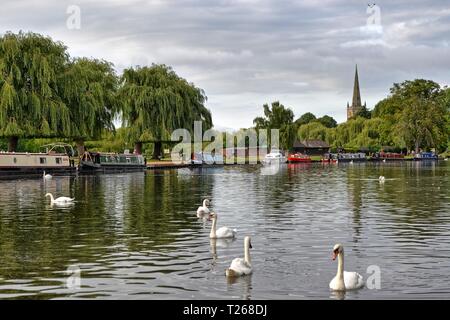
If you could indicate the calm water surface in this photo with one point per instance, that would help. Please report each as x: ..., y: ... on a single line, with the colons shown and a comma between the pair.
x: 136, y: 236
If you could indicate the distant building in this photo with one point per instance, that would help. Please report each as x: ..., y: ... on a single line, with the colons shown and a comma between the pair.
x: 356, y: 106
x: 311, y: 147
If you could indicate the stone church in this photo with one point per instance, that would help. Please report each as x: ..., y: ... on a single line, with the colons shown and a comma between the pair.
x: 356, y: 106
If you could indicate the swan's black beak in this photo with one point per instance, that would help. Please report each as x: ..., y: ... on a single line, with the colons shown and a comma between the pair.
x: 251, y: 247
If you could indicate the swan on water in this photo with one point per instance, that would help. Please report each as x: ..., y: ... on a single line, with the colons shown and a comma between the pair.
x: 222, y: 232
x: 46, y: 176
x: 239, y: 266
x: 60, y: 200
x: 201, y: 211
x: 344, y: 280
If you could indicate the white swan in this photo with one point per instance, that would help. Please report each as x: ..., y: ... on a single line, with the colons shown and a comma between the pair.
x: 60, y: 200
x: 222, y: 232
x: 381, y: 179
x: 344, y: 280
x: 384, y: 160
x: 239, y: 266
x: 201, y: 211
x: 46, y: 176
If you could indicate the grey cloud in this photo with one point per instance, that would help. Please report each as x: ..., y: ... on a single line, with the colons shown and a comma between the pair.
x: 248, y: 52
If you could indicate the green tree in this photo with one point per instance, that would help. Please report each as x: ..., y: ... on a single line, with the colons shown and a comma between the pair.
x: 89, y: 89
x: 313, y: 130
x: 305, y: 119
x: 364, y: 113
x: 155, y: 101
x: 32, y: 71
x: 278, y: 117
x: 423, y: 119
x: 327, y: 121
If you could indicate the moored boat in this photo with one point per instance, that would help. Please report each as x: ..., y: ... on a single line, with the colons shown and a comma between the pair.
x: 102, y: 161
x: 298, y: 158
x: 26, y: 164
x: 426, y: 156
x: 388, y: 156
x: 275, y: 156
x: 345, y: 157
x: 329, y: 158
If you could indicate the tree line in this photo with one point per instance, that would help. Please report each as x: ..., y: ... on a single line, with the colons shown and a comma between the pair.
x: 45, y: 93
x: 414, y: 116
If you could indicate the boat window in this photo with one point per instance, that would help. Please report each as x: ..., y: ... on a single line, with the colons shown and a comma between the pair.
x: 15, y: 160
x: 128, y: 160
x: 58, y: 160
x: 42, y: 160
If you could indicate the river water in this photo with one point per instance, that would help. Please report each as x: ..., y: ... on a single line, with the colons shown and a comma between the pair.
x: 136, y: 235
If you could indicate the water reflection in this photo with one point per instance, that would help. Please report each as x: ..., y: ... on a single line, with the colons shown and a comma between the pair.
x: 137, y: 235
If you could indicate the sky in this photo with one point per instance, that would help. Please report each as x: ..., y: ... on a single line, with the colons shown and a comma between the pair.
x: 245, y: 53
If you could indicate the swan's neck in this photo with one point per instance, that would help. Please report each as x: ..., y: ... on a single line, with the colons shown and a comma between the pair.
x: 213, y: 228
x: 247, y: 253
x: 340, y: 270
x: 204, y: 204
x: 52, y: 200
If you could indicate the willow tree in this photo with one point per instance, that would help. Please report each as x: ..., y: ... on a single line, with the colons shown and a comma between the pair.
x: 155, y: 101
x: 31, y: 71
x: 90, y: 88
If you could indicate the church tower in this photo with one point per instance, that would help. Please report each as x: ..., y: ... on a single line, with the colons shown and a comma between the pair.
x: 356, y: 102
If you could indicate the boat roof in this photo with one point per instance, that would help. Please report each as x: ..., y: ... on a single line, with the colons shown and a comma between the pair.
x: 32, y: 153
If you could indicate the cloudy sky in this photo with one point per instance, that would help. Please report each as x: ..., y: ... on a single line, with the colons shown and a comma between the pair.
x: 245, y: 53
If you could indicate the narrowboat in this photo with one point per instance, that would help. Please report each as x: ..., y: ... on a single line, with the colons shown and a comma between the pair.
x: 426, y: 156
x: 26, y: 164
x: 298, y: 158
x: 329, y: 158
x: 388, y: 156
x: 102, y: 162
x: 349, y: 157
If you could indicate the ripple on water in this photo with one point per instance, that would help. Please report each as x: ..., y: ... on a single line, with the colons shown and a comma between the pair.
x: 137, y: 235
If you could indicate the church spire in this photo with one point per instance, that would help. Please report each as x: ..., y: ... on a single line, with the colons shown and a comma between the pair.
x: 356, y: 102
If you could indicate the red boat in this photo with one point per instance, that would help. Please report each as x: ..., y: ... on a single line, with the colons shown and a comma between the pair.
x: 298, y: 157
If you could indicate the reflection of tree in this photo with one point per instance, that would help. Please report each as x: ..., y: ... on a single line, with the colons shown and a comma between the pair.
x: 244, y: 283
x: 110, y: 211
x: 355, y: 176
x: 159, y: 208
x: 417, y: 197
x: 41, y: 238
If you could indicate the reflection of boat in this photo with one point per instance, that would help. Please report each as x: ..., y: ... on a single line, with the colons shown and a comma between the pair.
x: 275, y: 156
x: 97, y: 161
x: 53, y: 160
x: 298, y: 157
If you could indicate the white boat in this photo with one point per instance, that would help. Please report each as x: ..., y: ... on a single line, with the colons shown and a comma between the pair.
x: 275, y: 156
